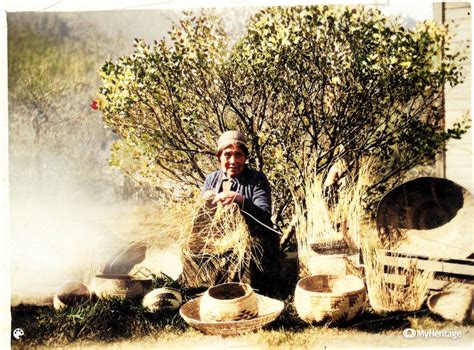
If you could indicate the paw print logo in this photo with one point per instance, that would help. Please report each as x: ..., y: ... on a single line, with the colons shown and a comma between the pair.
x: 18, y: 333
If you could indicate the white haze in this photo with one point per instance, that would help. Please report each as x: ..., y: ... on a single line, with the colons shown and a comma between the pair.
x: 60, y: 230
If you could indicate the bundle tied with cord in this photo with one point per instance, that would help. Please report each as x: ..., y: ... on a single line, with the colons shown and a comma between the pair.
x: 219, y: 248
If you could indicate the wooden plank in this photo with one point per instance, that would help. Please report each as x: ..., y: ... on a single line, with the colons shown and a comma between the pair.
x: 457, y: 5
x: 438, y: 8
x: 457, y: 105
x: 452, y: 117
x: 433, y: 284
x: 458, y: 92
x: 469, y: 262
x: 459, y: 25
x: 461, y: 35
x: 428, y: 265
x: 457, y: 13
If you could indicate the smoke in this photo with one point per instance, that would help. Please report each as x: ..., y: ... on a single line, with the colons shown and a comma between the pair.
x: 62, y: 227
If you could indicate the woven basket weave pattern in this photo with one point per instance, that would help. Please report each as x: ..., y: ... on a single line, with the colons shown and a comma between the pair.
x: 229, y: 302
x: 269, y: 310
x: 105, y: 286
x: 330, y: 299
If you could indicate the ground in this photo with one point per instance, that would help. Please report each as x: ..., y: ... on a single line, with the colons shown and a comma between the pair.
x: 314, y: 338
x: 136, y: 330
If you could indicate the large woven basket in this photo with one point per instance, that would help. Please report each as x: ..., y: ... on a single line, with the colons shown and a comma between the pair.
x: 268, y: 311
x: 71, y: 294
x: 229, y: 302
x: 455, y: 305
x: 330, y: 299
x: 120, y: 286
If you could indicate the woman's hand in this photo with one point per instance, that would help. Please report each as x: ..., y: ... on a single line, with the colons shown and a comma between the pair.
x: 228, y: 197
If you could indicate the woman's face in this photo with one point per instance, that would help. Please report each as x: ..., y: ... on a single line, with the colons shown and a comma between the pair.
x: 232, y: 160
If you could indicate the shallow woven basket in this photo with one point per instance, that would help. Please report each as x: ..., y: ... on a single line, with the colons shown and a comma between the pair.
x: 229, y: 302
x: 330, y: 299
x: 455, y: 305
x: 268, y: 311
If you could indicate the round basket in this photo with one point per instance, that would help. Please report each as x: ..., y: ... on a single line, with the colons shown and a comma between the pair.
x: 120, y: 286
x: 165, y: 298
x: 229, y: 302
x: 268, y: 311
x: 71, y: 294
x: 330, y: 299
x: 455, y: 305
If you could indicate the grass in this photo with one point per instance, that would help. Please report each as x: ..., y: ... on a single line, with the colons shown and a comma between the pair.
x: 113, y: 320
x: 325, y: 221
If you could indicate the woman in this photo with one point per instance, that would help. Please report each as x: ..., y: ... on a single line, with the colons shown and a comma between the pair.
x: 236, y: 182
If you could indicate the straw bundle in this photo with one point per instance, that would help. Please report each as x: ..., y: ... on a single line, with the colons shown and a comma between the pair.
x: 229, y: 302
x: 384, y: 295
x: 219, y: 248
x: 330, y: 299
x: 322, y: 228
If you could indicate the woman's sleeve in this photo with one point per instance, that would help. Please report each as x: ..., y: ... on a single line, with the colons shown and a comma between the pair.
x: 260, y: 205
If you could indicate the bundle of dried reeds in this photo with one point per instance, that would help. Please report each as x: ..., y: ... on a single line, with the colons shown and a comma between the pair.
x: 219, y: 247
x: 329, y: 225
x: 384, y: 295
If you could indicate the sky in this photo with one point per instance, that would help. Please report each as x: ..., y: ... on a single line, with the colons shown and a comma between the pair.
x: 418, y: 10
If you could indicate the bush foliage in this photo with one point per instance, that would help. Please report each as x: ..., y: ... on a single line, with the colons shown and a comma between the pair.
x: 307, y: 85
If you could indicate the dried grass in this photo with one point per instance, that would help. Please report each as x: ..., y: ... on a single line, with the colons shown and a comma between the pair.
x: 201, y: 233
x: 385, y: 296
x: 317, y: 222
x: 218, y: 232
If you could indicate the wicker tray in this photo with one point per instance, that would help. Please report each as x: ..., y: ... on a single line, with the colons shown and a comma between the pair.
x: 268, y: 311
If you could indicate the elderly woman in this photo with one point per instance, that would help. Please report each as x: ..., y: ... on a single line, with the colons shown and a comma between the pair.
x: 236, y: 182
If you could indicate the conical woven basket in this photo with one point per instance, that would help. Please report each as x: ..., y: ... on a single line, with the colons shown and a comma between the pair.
x: 268, y: 311
x: 330, y: 299
x: 229, y: 302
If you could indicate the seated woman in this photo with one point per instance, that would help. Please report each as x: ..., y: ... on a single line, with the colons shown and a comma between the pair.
x: 236, y: 182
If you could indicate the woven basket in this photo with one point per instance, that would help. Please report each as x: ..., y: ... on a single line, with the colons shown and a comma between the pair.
x: 71, y: 294
x: 330, y: 299
x: 339, y: 246
x: 229, y: 302
x: 455, y: 305
x: 120, y: 286
x: 334, y: 264
x: 268, y: 311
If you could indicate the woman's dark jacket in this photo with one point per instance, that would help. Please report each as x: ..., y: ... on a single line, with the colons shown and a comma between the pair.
x: 254, y: 186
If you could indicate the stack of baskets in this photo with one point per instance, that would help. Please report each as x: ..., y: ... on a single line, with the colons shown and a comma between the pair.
x: 330, y: 299
x: 230, y: 309
x: 229, y: 302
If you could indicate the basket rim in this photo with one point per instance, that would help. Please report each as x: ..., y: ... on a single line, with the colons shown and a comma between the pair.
x: 248, y: 291
x: 333, y: 294
x: 436, y: 296
x: 237, y: 326
x: 331, y: 256
x: 120, y: 277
